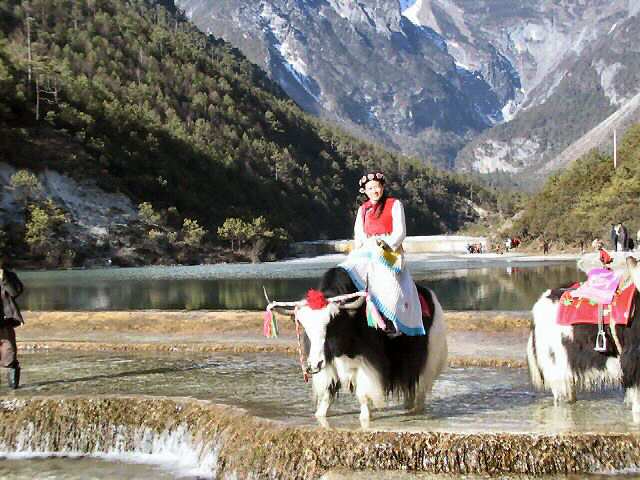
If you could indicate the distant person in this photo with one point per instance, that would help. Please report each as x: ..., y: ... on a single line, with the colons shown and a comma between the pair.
x: 619, y: 238
x: 545, y: 246
x: 638, y: 239
x: 474, y: 248
x: 627, y: 241
x: 597, y: 244
x: 10, y: 318
x: 603, y: 255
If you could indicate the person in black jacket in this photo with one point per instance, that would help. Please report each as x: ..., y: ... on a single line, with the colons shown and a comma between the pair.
x: 620, y: 238
x: 10, y: 317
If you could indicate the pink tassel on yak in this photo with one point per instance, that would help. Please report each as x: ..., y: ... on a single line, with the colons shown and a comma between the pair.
x: 270, y: 325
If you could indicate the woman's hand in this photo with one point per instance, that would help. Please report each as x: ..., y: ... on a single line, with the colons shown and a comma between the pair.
x: 382, y: 244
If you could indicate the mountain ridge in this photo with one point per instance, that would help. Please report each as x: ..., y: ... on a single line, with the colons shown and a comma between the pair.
x: 599, y: 136
x: 508, y: 66
x: 133, y: 97
x: 419, y: 101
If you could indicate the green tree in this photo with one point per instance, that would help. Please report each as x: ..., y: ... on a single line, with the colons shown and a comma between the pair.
x: 235, y: 230
x: 192, y: 233
x: 43, y: 230
x: 148, y: 215
x: 133, y: 96
x: 26, y: 186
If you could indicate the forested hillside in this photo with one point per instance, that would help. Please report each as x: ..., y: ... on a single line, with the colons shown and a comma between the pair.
x: 583, y: 201
x: 130, y: 94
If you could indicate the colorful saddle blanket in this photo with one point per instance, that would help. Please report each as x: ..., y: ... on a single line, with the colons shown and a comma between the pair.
x: 580, y: 310
x: 601, y: 285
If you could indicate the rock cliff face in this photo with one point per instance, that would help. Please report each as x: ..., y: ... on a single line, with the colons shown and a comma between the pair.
x: 369, y: 66
x: 578, y: 63
x: 485, y: 85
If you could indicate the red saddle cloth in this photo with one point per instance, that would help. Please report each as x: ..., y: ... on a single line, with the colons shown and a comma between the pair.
x: 582, y: 310
x: 424, y: 305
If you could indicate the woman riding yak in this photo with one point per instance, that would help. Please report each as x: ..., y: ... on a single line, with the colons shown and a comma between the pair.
x: 377, y: 262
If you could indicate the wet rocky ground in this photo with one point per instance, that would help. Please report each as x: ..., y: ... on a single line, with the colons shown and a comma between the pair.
x: 474, y: 338
x: 208, y: 388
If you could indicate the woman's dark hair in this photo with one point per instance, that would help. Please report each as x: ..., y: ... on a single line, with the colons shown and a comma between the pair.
x: 379, y: 206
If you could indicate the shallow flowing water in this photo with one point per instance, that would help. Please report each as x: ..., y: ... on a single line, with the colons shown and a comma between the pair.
x: 508, y: 287
x: 470, y: 400
x: 133, y: 467
x: 271, y: 386
x: 83, y: 468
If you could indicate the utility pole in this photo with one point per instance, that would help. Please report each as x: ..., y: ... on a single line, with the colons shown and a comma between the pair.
x: 615, y: 150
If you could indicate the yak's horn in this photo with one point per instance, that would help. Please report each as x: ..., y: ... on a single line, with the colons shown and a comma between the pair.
x: 353, y: 305
x: 288, y: 311
x: 265, y: 295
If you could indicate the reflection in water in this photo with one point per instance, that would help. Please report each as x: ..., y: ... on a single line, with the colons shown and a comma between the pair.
x: 515, y: 288
x: 70, y: 294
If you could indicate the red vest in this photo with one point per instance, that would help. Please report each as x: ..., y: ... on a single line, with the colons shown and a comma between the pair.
x: 374, y: 225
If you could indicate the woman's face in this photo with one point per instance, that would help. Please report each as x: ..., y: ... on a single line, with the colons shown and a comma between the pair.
x: 373, y: 189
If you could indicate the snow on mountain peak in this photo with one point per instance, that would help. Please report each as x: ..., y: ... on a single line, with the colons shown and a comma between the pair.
x: 410, y: 11
x: 405, y: 4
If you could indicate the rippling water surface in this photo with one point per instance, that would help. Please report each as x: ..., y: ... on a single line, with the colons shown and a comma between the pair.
x: 84, y: 468
x: 464, y: 400
x: 270, y: 385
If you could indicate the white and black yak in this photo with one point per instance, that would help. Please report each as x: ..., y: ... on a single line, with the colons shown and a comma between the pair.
x: 343, y: 352
x: 562, y: 358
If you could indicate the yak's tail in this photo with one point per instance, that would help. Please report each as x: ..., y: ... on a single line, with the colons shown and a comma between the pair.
x: 537, y: 379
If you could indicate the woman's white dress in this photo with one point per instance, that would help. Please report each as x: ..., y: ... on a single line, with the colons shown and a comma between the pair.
x: 387, y: 278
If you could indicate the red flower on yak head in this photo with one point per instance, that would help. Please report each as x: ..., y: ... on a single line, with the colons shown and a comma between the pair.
x: 316, y: 299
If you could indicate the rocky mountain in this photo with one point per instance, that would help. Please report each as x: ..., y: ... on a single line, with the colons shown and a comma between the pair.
x: 594, y: 73
x: 485, y: 85
x: 123, y: 113
x: 369, y: 66
x: 599, y: 137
